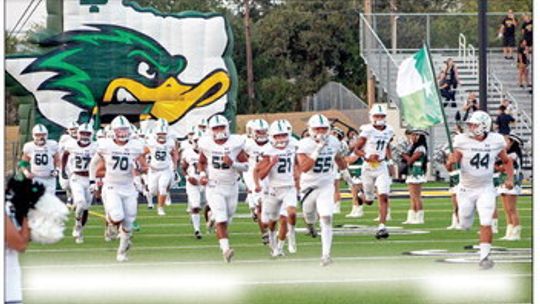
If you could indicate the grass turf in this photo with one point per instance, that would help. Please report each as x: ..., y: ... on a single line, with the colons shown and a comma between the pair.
x: 168, y: 265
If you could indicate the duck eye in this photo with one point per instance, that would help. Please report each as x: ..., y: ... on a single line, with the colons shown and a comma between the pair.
x: 145, y: 70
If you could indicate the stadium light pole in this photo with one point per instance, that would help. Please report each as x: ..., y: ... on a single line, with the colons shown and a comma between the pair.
x: 482, y: 53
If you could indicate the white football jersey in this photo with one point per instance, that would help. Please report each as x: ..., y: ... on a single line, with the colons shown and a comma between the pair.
x: 160, y: 154
x: 293, y: 141
x: 478, y: 159
x: 191, y: 157
x: 377, y: 140
x: 119, y: 160
x: 79, y: 157
x: 216, y: 169
x: 185, y: 145
x: 282, y: 173
x: 254, y: 151
x: 41, y: 157
x: 322, y: 172
x: 64, y: 141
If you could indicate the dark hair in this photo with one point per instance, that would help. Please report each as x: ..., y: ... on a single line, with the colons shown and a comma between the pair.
x: 23, y: 194
x: 304, y: 133
x: 502, y: 108
x: 421, y: 141
x: 515, y: 148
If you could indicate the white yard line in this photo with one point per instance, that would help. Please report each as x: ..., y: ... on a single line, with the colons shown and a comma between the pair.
x: 250, y: 245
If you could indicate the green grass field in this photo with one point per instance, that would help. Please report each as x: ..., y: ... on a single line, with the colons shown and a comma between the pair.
x: 168, y: 265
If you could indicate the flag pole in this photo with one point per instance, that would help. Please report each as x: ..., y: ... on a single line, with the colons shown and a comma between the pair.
x: 439, y: 98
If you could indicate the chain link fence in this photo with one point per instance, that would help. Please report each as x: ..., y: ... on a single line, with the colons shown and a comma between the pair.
x: 333, y: 96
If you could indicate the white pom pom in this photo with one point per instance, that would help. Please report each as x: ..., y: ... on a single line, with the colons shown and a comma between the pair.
x: 47, y: 219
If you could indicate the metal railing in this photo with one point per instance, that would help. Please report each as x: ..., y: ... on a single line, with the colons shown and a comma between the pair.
x: 379, y: 60
x: 437, y: 29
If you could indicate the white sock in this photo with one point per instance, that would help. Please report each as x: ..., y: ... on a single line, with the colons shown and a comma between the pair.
x: 485, y: 248
x: 291, y: 230
x: 196, y: 220
x: 149, y: 199
x: 280, y: 245
x: 224, y: 245
x: 272, y: 239
x: 326, y: 237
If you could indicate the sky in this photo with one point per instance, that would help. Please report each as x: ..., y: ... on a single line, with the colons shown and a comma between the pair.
x: 15, y: 8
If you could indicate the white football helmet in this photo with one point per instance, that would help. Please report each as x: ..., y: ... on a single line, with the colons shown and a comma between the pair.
x: 161, y: 133
x: 259, y: 131
x: 203, y: 124
x: 162, y: 122
x: 195, y: 139
x: 287, y: 125
x: 72, y: 129
x: 84, y: 134
x: 219, y: 121
x: 40, y: 134
x: 100, y: 134
x: 278, y: 128
x: 121, y: 128
x: 479, y: 123
x: 376, y: 110
x: 191, y: 131
x: 248, y: 128
x: 108, y: 131
x: 318, y: 121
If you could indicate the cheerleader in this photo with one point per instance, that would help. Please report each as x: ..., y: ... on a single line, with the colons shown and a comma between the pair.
x: 416, y: 158
x: 509, y: 196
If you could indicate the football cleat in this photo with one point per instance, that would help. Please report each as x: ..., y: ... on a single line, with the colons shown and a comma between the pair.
x: 168, y: 201
x: 228, y: 255
x: 198, y: 235
x: 337, y: 208
x: 254, y: 216
x: 79, y: 240
x: 291, y: 238
x: 486, y: 263
x: 311, y: 230
x: 277, y: 253
x: 136, y: 226
x: 382, y: 234
x: 150, y: 207
x: 160, y: 211
x: 265, y: 238
x: 326, y: 260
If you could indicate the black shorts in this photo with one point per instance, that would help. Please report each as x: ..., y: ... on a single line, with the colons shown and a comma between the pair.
x: 509, y: 41
x: 529, y: 42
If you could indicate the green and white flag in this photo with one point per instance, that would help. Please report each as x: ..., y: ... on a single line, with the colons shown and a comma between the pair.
x: 418, y: 91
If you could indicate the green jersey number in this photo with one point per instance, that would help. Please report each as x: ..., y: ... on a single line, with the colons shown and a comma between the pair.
x: 479, y: 161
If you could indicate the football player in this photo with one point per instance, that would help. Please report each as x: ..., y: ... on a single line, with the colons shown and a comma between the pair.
x: 66, y: 139
x: 374, y: 147
x: 221, y: 157
x: 162, y: 153
x: 40, y: 159
x: 194, y: 191
x: 255, y: 144
x: 78, y: 155
x: 123, y: 158
x: 476, y: 152
x: 277, y: 164
x: 316, y: 155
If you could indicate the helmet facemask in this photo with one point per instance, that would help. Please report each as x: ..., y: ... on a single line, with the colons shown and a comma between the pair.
x: 220, y: 132
x: 121, y: 134
x: 261, y: 136
x: 84, y: 138
x: 40, y: 138
x: 319, y: 134
x: 161, y: 138
x: 280, y: 140
x: 378, y: 120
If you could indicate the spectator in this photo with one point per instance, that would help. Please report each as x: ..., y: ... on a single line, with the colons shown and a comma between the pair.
x: 448, y: 82
x: 503, y: 121
x: 470, y: 105
x: 527, y: 31
x: 507, y: 32
x: 523, y: 65
x: 510, y: 109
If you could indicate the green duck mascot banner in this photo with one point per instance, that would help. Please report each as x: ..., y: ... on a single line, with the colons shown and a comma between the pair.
x: 114, y: 57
